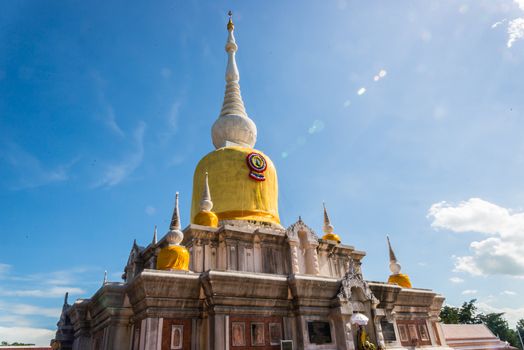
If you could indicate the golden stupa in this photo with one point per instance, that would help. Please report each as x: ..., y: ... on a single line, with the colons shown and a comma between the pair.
x: 328, y: 229
x: 172, y: 255
x: 396, y: 277
x: 243, y: 180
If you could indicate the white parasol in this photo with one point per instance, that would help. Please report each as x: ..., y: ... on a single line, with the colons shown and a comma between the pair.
x: 359, y: 319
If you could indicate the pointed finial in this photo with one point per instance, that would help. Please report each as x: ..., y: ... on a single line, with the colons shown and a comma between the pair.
x: 206, y: 203
x: 155, y: 239
x: 233, y: 126
x: 175, y: 235
x: 394, y: 266
x: 105, y: 276
x: 65, y: 298
x: 175, y: 220
x: 230, y: 25
x: 328, y: 228
x: 396, y: 277
x: 392, y: 257
x: 205, y: 216
x: 300, y: 219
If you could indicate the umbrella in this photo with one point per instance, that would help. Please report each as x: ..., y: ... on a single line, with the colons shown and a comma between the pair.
x: 359, y: 319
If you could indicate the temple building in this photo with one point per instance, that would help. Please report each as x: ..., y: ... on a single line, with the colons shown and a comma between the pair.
x: 236, y: 278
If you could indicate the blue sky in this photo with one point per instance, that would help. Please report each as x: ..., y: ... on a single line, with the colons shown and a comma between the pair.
x: 405, y: 117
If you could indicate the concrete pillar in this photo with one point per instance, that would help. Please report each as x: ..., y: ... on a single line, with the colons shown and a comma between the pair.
x: 290, y: 330
x: 222, y: 255
x: 257, y: 254
x: 150, y: 334
x: 221, y: 332
x: 293, y: 247
x: 82, y: 342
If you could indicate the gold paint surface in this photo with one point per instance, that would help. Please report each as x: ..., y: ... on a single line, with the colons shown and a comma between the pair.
x: 400, y: 280
x: 173, y: 257
x: 235, y: 195
x: 332, y: 237
x: 206, y: 218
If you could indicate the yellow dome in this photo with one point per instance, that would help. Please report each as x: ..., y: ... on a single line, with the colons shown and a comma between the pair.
x: 332, y: 237
x: 238, y: 191
x: 173, y: 257
x: 206, y: 218
x: 400, y: 279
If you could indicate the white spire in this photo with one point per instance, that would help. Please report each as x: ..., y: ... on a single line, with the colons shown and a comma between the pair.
x: 233, y: 127
x: 394, y: 266
x: 206, y: 204
x: 175, y: 235
x: 328, y: 228
x: 175, y: 219
x: 105, y: 277
x: 155, y: 240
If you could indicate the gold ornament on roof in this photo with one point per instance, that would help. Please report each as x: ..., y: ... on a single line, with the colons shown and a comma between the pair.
x: 230, y: 25
x: 173, y: 256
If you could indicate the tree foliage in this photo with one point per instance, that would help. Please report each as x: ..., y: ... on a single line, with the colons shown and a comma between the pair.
x: 467, y: 314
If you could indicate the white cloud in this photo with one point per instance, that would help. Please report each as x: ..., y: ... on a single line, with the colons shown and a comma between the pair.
x: 512, y: 314
x: 508, y: 292
x: 106, y: 112
x: 171, y: 119
x: 38, y: 336
x: 515, y: 27
x: 502, y: 252
x: 116, y: 173
x: 51, y: 292
x: 109, y: 120
x: 361, y: 91
x: 515, y: 31
x: 32, y: 310
x: 469, y: 291
x: 29, y: 170
x: 150, y: 210
x: 4, y: 269
x: 456, y: 280
x: 496, y: 24
x: 14, y: 321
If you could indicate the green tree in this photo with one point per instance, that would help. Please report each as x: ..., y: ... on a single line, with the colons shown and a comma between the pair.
x: 520, y: 329
x: 449, y: 314
x: 499, y: 326
x: 467, y: 313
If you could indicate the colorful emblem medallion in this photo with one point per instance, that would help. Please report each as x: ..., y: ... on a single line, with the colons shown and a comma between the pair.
x: 257, y: 164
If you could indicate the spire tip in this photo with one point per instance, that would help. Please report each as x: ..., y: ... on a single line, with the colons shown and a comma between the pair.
x: 230, y: 25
